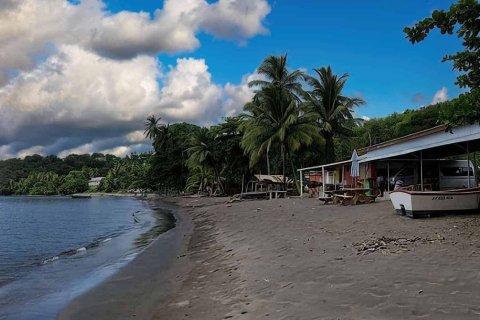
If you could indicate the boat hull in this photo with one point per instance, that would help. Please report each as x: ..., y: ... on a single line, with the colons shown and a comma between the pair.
x: 416, y: 203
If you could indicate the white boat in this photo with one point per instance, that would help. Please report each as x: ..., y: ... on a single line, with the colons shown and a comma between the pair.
x: 426, y: 203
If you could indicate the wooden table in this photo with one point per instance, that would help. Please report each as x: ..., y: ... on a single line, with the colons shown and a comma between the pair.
x: 277, y: 193
x: 353, y: 196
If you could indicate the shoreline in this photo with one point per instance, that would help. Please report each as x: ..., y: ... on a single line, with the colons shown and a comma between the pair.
x: 298, y: 259
x: 136, y: 289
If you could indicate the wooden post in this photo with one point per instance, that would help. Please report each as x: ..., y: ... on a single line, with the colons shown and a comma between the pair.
x: 301, y: 183
x: 323, y: 182
x: 421, y: 170
x: 468, y: 164
x: 388, y: 176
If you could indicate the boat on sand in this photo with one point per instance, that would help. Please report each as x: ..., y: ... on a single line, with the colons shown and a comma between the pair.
x: 426, y: 203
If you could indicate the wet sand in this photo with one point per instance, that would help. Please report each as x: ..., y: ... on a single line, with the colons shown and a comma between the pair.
x: 298, y: 259
x: 135, y: 291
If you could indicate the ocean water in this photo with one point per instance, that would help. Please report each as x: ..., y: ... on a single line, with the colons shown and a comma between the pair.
x: 53, y: 249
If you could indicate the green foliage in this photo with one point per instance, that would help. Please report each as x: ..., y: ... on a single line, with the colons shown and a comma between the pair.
x: 40, y: 183
x: 75, y: 182
x: 396, y: 125
x: 334, y: 110
x: 463, y: 110
x: 465, y: 14
x: 121, y: 174
x: 128, y: 174
x: 168, y: 165
x: 16, y: 169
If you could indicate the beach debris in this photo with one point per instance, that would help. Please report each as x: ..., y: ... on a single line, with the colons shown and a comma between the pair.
x: 183, y: 303
x: 387, y: 245
x: 229, y: 205
x: 420, y: 291
x: 259, y: 209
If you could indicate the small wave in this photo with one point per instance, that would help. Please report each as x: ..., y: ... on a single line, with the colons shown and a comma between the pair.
x: 82, y: 249
x: 106, y: 240
x: 48, y: 260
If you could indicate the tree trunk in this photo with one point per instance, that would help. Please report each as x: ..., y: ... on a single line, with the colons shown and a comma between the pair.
x: 329, y: 149
x: 268, y: 161
x: 294, y: 173
x: 283, y: 167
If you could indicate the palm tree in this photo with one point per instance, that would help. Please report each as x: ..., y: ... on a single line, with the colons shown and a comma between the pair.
x: 157, y: 132
x: 277, y: 74
x: 152, y: 127
x: 334, y: 109
x: 205, y: 157
x: 276, y: 119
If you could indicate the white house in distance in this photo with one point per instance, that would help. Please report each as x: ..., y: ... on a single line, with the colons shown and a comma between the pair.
x: 95, y: 182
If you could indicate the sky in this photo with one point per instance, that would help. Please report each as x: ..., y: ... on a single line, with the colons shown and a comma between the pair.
x: 82, y: 76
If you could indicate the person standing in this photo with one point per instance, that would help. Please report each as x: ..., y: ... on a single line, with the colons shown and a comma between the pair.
x: 381, y: 184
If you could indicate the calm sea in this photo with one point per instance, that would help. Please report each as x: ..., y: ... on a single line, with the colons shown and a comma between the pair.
x: 53, y: 249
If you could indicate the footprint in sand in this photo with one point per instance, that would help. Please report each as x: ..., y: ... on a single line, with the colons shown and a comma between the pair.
x: 378, y: 293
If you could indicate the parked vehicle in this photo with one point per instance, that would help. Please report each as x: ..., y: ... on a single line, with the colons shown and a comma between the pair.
x: 454, y: 175
x: 446, y: 174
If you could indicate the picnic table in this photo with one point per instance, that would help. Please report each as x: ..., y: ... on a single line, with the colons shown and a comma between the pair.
x: 349, y: 196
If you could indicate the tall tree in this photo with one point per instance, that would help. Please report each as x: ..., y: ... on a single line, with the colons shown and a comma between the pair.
x: 465, y: 14
x: 204, y: 155
x: 334, y: 109
x: 152, y: 127
x: 465, y: 17
x: 277, y: 121
x: 277, y: 74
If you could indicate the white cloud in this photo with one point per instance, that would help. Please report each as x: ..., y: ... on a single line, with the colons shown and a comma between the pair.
x: 75, y: 78
x: 32, y: 28
x: 235, y: 19
x: 121, y: 151
x: 77, y: 102
x: 136, y: 136
x: 83, y: 149
x: 29, y: 151
x: 238, y: 95
x: 75, y: 87
x: 440, y: 96
x: 365, y: 118
x: 189, y: 93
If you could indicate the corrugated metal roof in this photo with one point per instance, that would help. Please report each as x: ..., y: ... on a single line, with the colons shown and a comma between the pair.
x: 423, y: 140
x: 274, y: 178
x: 408, y: 137
x: 325, y: 165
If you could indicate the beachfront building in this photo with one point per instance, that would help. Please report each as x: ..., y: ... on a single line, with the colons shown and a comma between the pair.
x: 95, y: 182
x: 420, y: 158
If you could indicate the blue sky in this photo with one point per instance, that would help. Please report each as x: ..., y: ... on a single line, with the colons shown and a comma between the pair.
x: 81, y: 76
x: 361, y: 38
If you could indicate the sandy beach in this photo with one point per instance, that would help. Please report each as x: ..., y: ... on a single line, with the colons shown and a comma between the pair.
x: 298, y: 259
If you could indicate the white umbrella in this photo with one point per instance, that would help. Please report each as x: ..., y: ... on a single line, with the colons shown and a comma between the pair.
x: 355, y: 169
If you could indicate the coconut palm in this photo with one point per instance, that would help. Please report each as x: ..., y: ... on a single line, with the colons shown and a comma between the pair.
x: 205, y: 157
x: 275, y: 119
x: 157, y: 132
x: 152, y: 127
x: 276, y: 73
x: 334, y: 109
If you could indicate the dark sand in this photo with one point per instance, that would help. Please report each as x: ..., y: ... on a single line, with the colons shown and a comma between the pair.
x: 297, y: 259
x: 135, y: 291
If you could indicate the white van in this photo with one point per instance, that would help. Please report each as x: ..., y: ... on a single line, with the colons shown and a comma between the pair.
x: 453, y: 174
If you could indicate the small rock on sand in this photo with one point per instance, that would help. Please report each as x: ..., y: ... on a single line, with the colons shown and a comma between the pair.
x: 183, y: 303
